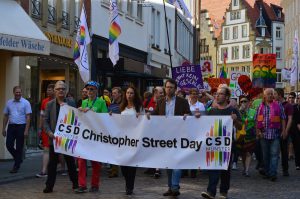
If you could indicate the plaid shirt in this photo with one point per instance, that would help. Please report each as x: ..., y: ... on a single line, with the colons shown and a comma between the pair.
x: 269, y: 133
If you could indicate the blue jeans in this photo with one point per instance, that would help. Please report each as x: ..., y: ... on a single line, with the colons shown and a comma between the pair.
x: 270, y: 150
x: 174, y: 176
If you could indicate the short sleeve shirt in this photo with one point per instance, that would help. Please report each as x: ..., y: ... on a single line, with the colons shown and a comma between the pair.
x: 98, y: 105
x: 17, y: 110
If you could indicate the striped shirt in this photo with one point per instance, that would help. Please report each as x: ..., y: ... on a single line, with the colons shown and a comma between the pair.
x: 268, y: 133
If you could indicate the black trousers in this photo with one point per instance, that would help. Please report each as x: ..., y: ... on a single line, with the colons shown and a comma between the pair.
x: 15, y: 133
x: 129, y: 175
x: 284, y: 154
x: 52, y: 168
x: 296, y: 145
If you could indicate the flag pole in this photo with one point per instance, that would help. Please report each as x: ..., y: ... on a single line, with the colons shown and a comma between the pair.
x: 166, y: 22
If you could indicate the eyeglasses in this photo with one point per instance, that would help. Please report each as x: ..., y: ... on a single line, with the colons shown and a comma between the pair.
x: 244, y: 101
x: 60, y: 89
x: 292, y: 98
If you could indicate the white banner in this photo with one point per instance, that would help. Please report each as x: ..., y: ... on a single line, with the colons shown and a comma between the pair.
x: 161, y: 142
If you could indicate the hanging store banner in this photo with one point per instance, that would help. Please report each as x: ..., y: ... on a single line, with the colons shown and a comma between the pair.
x: 264, y: 72
x: 175, y: 143
x: 188, y: 76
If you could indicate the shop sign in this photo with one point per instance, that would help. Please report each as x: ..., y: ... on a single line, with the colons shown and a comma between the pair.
x: 21, y: 44
x: 59, y: 40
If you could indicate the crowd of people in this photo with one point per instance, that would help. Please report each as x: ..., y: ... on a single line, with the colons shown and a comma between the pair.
x: 264, y: 127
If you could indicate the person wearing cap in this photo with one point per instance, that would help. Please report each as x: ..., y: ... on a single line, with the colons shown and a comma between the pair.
x: 98, y: 105
x: 50, y: 120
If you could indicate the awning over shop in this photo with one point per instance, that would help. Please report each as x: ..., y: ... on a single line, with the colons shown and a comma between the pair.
x: 18, y: 32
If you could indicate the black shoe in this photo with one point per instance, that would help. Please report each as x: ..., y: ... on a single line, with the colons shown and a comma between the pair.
x: 175, y: 193
x: 94, y: 189
x: 168, y: 193
x: 48, y: 190
x: 129, y: 191
x: 14, y: 170
x: 297, y: 168
x: 285, y: 173
x: 273, y: 178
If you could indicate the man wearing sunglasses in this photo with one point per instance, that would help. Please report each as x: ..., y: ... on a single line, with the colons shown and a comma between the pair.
x: 98, y: 105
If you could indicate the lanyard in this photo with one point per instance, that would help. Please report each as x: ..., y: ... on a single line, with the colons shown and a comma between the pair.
x: 90, y: 107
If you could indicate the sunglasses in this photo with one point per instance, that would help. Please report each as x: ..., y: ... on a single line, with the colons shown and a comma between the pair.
x: 90, y: 89
x: 244, y: 101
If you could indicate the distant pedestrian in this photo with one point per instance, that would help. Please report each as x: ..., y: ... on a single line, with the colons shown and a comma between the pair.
x: 17, y: 113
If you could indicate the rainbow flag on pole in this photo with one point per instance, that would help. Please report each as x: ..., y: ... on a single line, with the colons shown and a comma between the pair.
x: 114, y: 32
x: 223, y: 73
x: 80, y: 53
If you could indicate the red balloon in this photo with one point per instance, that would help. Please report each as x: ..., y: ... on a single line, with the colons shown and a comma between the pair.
x: 245, y: 83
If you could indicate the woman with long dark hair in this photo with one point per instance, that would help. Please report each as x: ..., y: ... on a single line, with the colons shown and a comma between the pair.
x: 131, y: 105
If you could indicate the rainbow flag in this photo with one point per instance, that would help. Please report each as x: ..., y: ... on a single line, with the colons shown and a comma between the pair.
x: 180, y: 4
x: 114, y: 32
x: 80, y: 53
x: 223, y: 73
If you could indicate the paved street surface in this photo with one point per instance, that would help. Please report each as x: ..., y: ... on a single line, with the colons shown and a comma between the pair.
x: 25, y: 185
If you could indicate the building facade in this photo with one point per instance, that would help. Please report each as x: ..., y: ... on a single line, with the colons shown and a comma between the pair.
x: 251, y: 27
x: 144, y: 51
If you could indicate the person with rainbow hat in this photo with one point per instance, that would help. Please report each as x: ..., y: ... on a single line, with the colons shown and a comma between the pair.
x: 98, y: 105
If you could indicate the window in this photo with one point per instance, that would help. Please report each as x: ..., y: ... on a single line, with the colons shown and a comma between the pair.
x: 244, y: 31
x: 243, y: 68
x: 226, y: 33
x: 170, y: 33
x: 235, y: 52
x: 184, y: 39
x: 231, y: 68
x: 129, y: 7
x: 235, y: 32
x: 235, y: 15
x: 278, y: 73
x: 153, y: 27
x: 140, y: 11
x: 157, y: 29
x: 235, y: 2
x: 224, y: 52
x: 248, y: 69
x: 278, y: 52
x: 246, y: 51
x: 278, y: 33
x: 263, y: 32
